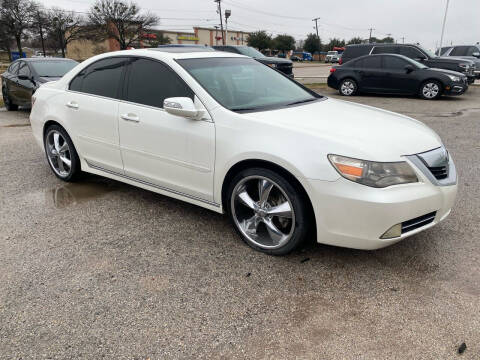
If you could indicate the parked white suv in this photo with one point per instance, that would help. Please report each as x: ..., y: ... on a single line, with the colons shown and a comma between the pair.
x: 230, y: 134
x: 332, y: 56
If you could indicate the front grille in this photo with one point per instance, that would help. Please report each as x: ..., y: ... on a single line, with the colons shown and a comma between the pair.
x: 440, y: 172
x: 418, y: 222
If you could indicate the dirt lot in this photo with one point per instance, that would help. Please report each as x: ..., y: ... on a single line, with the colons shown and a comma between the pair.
x: 100, y: 269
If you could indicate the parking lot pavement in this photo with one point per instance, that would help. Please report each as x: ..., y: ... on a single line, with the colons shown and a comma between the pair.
x: 306, y: 72
x: 102, y: 269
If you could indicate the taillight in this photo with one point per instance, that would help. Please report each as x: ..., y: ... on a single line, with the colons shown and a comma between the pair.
x: 33, y: 100
x: 332, y: 70
x: 340, y: 61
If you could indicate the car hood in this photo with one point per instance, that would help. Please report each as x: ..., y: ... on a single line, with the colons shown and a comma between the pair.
x: 451, y: 60
x: 447, y: 72
x: 44, y: 79
x: 471, y: 58
x: 273, y: 60
x: 353, y: 130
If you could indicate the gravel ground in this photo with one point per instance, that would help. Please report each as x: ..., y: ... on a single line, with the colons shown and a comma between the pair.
x: 100, y: 269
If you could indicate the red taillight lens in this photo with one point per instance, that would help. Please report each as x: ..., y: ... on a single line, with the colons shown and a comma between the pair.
x: 332, y: 70
x: 340, y: 61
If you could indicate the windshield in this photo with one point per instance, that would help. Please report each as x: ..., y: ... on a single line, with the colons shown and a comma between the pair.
x: 242, y: 84
x: 428, y: 52
x: 249, y: 51
x: 53, y: 68
x: 332, y: 53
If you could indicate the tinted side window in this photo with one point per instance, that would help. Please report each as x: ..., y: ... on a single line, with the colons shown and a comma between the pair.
x: 394, y: 63
x: 461, y: 51
x: 13, y: 68
x: 385, y: 50
x: 370, y: 62
x: 101, y: 78
x: 24, y: 70
x: 150, y: 82
x: 356, y: 51
x: 411, y: 52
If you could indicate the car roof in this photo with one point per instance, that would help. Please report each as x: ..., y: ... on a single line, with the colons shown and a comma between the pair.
x: 44, y: 59
x: 386, y: 54
x: 183, y: 49
x: 161, y: 54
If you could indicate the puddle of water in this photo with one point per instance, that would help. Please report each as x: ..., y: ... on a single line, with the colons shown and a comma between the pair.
x: 71, y: 194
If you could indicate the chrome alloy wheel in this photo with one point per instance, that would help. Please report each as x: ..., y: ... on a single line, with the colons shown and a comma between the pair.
x: 58, y: 153
x: 263, y: 212
x: 348, y: 87
x: 430, y: 90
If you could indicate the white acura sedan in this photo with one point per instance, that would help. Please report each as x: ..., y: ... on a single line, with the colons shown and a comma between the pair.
x: 230, y: 134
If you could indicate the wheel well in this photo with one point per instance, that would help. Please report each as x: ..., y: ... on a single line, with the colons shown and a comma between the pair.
x: 48, y: 124
x: 247, y: 164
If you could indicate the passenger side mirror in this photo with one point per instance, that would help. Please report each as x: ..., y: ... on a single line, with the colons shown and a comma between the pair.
x: 409, y: 68
x: 182, y: 106
x: 476, y: 54
x: 420, y: 58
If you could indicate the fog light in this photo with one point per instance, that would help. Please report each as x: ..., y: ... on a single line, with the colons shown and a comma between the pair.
x: 393, y: 232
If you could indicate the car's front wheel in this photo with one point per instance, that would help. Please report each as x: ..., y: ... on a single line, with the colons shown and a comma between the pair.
x: 431, y: 90
x: 61, y: 154
x: 269, y: 213
x: 7, y: 101
x: 348, y: 87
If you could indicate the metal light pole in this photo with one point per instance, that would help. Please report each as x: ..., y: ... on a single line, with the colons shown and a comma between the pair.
x: 219, y: 11
x: 443, y: 27
x: 318, y: 37
x: 227, y: 15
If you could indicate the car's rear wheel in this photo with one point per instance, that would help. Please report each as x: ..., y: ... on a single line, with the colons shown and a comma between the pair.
x: 431, y: 90
x: 61, y: 154
x: 8, y: 102
x: 268, y: 212
x: 348, y: 87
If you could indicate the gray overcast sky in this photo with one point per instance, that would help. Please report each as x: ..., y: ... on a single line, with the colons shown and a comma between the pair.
x: 416, y: 20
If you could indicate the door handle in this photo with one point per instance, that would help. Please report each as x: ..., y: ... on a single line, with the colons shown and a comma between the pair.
x: 72, y: 105
x: 130, y: 117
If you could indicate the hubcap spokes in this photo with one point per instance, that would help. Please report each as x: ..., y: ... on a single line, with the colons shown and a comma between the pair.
x: 348, y: 88
x: 430, y: 90
x: 263, y: 212
x: 58, y: 153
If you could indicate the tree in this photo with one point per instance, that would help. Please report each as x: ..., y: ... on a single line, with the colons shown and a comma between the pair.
x: 40, y: 26
x: 355, y: 40
x: 312, y: 44
x: 17, y: 16
x: 335, y: 43
x: 118, y: 20
x: 284, y: 43
x: 260, y: 40
x: 65, y: 26
x: 6, y: 39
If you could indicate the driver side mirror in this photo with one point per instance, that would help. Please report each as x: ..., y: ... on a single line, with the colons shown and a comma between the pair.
x: 476, y: 54
x: 409, y: 68
x: 420, y: 58
x: 24, y: 77
x: 182, y: 106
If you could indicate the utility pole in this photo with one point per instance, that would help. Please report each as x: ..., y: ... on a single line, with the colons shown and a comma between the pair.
x: 227, y: 15
x: 318, y: 37
x: 40, y: 25
x: 403, y: 39
x: 370, y: 37
x: 219, y: 11
x: 389, y: 36
x: 216, y: 34
x: 443, y: 26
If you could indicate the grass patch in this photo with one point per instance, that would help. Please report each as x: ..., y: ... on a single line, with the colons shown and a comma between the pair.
x: 1, y: 102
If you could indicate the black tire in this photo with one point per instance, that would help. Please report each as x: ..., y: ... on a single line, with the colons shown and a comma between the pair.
x: 8, y: 102
x: 431, y: 90
x: 75, y: 170
x: 348, y: 87
x: 297, y: 225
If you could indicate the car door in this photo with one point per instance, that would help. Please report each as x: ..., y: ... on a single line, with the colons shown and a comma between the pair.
x: 397, y: 79
x: 167, y: 151
x: 9, y: 79
x: 24, y: 85
x: 369, y: 71
x: 91, y: 105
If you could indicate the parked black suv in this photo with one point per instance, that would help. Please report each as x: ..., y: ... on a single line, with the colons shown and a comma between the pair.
x: 283, y: 65
x: 415, y: 52
x: 470, y: 52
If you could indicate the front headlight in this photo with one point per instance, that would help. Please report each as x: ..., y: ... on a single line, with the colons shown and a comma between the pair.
x: 374, y: 174
x: 454, y: 78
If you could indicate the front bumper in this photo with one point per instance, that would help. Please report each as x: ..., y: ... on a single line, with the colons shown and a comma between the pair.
x: 455, y: 88
x: 356, y: 216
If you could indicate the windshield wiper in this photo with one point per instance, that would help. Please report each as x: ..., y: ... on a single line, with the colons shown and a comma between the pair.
x: 244, y: 109
x: 300, y: 102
